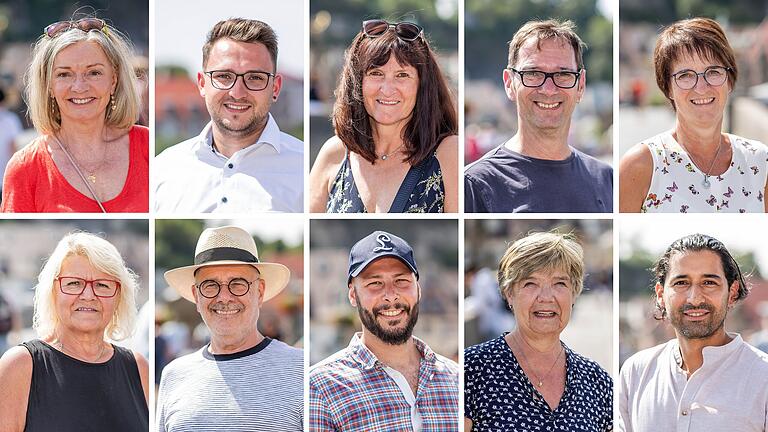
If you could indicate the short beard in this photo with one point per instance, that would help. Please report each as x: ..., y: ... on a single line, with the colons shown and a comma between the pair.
x: 225, y: 127
x: 389, y: 336
x: 698, y: 330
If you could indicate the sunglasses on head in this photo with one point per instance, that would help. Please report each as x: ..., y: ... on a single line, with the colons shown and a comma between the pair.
x: 406, y: 31
x: 85, y: 24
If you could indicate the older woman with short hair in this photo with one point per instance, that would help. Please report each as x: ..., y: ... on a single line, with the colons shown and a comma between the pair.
x: 72, y: 378
x: 695, y: 167
x: 395, y: 148
x: 528, y: 379
x: 82, y: 98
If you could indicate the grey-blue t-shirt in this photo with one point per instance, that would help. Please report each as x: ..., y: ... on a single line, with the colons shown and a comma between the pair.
x: 507, y: 182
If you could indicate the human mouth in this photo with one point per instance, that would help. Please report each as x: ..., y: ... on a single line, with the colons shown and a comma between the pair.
x: 391, y: 312
x: 236, y: 106
x: 544, y: 314
x: 543, y: 105
x: 387, y: 102
x: 226, y: 311
x: 702, y: 101
x: 85, y: 309
x: 81, y: 101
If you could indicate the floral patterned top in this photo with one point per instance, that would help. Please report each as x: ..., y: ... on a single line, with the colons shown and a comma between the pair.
x: 678, y: 185
x: 428, y: 196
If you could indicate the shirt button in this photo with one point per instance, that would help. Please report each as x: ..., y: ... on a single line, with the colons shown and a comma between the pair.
x: 685, y: 412
x: 230, y: 166
x: 224, y: 199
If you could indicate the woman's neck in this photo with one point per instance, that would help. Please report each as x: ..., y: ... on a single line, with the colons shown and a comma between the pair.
x: 85, y: 345
x: 387, y: 138
x: 82, y: 137
x: 704, y: 140
x: 541, y: 346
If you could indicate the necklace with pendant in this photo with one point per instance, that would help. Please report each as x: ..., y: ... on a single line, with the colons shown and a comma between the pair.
x: 706, y: 184
x: 386, y: 156
x: 540, y: 380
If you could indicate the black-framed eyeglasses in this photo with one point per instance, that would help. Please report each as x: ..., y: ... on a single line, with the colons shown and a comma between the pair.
x: 85, y: 24
x: 536, y: 78
x: 406, y: 31
x: 714, y: 75
x: 72, y: 285
x: 253, y: 80
x: 237, y: 287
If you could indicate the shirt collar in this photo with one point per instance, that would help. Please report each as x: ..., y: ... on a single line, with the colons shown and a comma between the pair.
x: 363, y: 356
x: 270, y: 135
x: 712, y: 355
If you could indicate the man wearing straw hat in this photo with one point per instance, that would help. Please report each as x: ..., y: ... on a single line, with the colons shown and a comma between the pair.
x: 242, y: 380
x: 386, y: 379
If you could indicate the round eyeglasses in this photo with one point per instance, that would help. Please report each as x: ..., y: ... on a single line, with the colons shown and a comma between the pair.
x: 253, y: 80
x: 406, y: 31
x: 71, y: 285
x: 237, y: 287
x: 714, y: 75
x: 536, y: 78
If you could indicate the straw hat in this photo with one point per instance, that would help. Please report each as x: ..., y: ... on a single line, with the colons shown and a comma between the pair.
x: 228, y: 245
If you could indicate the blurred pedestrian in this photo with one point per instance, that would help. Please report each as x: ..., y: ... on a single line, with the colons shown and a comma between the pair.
x: 10, y: 127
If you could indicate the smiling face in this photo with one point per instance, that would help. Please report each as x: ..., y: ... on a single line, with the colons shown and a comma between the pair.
x: 84, y: 313
x: 703, y: 104
x: 82, y: 81
x: 386, y: 296
x: 227, y: 316
x: 389, y: 92
x: 696, y: 294
x: 542, y: 302
x: 239, y: 112
x: 548, y: 107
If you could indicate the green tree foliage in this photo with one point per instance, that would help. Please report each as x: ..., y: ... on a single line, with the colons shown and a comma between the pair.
x: 175, y: 241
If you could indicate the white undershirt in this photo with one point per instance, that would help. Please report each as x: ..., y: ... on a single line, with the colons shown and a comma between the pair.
x: 405, y: 388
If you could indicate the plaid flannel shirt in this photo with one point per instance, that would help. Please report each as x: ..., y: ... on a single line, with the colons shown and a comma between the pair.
x: 350, y: 391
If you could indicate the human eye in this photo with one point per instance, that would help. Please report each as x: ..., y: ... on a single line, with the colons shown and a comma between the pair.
x: 223, y: 76
x: 374, y: 284
x: 715, y: 72
x: 686, y: 75
x: 374, y: 73
x: 63, y: 74
x: 73, y: 282
x: 255, y: 77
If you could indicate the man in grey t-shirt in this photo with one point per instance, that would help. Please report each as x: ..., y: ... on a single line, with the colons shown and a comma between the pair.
x: 536, y: 170
x: 242, y: 380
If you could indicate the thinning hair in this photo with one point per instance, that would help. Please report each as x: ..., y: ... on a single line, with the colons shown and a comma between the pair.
x: 43, y: 109
x: 542, y: 251
x: 700, y: 37
x: 697, y: 243
x: 542, y: 30
x: 242, y: 30
x: 433, y: 117
x: 103, y: 256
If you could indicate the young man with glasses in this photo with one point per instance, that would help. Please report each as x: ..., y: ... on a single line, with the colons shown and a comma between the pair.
x: 242, y: 379
x: 241, y: 161
x: 536, y: 170
x: 386, y: 379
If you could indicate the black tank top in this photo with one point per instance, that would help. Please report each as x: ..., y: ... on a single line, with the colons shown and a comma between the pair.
x: 68, y: 395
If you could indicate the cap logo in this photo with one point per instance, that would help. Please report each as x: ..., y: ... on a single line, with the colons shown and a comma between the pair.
x: 385, y: 243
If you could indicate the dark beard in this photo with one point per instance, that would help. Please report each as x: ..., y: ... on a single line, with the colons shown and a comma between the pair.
x: 390, y: 336
x: 698, y: 330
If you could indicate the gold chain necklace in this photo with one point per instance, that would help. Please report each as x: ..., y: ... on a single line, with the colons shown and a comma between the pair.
x: 386, y: 156
x: 65, y: 351
x: 538, y: 378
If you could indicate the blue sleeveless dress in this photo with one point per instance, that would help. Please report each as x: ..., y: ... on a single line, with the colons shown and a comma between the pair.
x: 428, y: 196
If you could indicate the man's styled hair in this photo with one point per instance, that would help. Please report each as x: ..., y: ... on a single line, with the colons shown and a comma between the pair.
x: 549, y: 29
x: 242, y: 30
x: 542, y: 251
x: 434, y: 115
x: 696, y: 36
x: 696, y: 243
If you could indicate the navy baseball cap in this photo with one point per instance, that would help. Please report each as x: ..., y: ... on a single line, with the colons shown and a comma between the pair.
x: 379, y: 244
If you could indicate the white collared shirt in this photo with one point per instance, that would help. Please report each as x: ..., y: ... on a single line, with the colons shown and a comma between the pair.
x: 728, y: 393
x: 267, y: 176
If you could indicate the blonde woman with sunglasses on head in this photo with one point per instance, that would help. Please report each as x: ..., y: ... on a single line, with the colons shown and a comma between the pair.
x: 396, y: 148
x: 72, y: 378
x: 82, y: 98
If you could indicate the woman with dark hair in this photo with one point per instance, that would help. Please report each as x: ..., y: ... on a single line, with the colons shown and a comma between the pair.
x: 395, y: 148
x: 695, y: 167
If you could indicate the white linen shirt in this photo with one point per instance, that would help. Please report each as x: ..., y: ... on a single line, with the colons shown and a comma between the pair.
x: 267, y: 176
x: 729, y: 393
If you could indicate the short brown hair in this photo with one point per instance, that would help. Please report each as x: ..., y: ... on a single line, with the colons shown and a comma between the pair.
x: 701, y: 36
x: 542, y: 251
x: 549, y: 29
x: 242, y: 30
x: 434, y: 115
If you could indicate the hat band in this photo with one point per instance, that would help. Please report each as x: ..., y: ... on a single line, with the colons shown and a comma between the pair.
x: 225, y: 254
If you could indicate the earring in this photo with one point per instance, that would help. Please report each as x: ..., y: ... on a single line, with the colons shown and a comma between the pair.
x: 274, y: 98
x: 112, y: 98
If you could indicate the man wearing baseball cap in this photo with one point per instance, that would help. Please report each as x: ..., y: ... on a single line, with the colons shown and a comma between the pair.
x: 386, y: 379
x: 241, y: 380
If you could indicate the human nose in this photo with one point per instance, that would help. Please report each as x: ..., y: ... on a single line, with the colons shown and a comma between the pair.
x: 701, y: 82
x: 548, y: 86
x: 238, y: 90
x: 88, y: 293
x: 546, y: 293
x: 390, y: 292
x: 79, y: 83
x: 695, y: 294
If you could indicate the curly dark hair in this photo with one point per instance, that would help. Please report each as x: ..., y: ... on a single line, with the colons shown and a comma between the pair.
x: 699, y: 242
